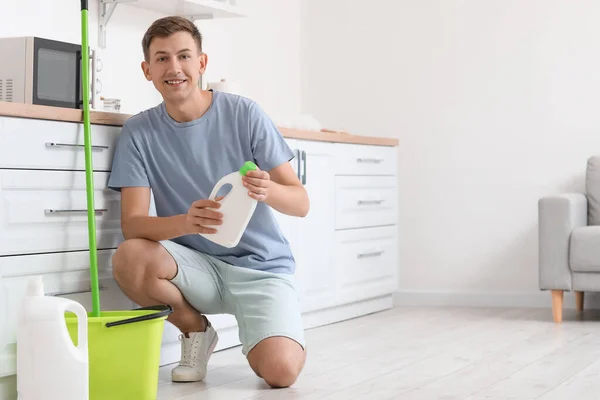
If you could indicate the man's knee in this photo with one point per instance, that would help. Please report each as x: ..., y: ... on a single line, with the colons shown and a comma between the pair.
x: 281, y: 371
x: 278, y: 361
x: 131, y: 260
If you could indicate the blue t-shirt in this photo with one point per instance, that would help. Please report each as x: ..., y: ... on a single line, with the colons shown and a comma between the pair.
x: 181, y: 163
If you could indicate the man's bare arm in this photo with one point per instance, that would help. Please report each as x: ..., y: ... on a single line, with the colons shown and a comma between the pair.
x: 280, y: 188
x: 136, y: 223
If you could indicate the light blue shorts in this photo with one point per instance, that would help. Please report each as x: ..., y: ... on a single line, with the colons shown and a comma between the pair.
x: 263, y: 303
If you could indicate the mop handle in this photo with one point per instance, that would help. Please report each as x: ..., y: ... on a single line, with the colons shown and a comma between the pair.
x: 89, y: 178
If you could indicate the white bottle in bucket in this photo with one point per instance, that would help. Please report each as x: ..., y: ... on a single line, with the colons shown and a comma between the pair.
x: 49, y: 366
x: 237, y: 208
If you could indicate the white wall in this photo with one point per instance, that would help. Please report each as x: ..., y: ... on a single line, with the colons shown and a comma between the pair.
x: 260, y: 54
x: 495, y: 104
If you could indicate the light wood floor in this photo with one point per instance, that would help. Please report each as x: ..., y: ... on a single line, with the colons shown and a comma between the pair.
x: 427, y: 354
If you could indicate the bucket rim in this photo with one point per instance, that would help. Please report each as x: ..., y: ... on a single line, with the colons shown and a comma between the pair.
x: 146, y: 314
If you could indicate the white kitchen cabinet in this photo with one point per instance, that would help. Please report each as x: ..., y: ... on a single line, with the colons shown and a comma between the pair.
x: 46, y: 211
x: 364, y: 160
x: 40, y: 144
x: 311, y: 237
x: 346, y: 247
x: 193, y: 9
x: 366, y: 262
x: 315, y: 275
x: 287, y: 223
x: 365, y: 201
x: 366, y: 240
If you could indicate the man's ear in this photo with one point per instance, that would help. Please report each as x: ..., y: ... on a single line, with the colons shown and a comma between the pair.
x: 203, y: 61
x: 146, y: 69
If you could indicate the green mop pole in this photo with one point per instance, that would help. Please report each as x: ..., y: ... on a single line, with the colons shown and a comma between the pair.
x: 89, y: 178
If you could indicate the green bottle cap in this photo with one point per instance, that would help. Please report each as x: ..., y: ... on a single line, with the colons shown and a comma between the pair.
x: 248, y: 166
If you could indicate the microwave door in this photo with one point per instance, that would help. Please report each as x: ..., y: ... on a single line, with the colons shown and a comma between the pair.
x: 56, y: 74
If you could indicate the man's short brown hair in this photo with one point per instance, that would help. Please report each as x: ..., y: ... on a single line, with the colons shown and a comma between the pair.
x: 167, y: 26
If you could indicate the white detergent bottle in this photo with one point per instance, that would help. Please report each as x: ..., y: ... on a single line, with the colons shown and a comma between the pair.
x: 49, y: 366
x: 237, y: 208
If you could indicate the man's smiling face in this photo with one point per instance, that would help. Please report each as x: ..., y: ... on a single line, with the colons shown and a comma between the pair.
x: 174, y: 66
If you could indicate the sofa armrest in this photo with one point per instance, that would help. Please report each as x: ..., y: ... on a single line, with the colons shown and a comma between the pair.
x: 557, y: 217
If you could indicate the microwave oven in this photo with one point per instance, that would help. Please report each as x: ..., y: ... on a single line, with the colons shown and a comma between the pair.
x: 45, y: 72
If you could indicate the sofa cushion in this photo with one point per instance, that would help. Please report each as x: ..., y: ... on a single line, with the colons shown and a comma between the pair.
x: 584, y: 254
x: 592, y: 187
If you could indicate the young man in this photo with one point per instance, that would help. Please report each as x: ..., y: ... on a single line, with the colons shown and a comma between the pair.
x: 179, y: 150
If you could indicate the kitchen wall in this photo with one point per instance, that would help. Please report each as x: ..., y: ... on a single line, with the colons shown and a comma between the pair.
x: 495, y: 104
x: 259, y: 54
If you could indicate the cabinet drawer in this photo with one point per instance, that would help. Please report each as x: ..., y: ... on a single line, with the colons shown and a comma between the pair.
x: 365, y: 201
x: 42, y: 144
x: 366, y: 262
x: 45, y: 211
x: 65, y: 275
x: 353, y: 159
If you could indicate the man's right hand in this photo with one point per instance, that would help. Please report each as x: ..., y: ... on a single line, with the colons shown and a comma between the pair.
x: 202, y: 217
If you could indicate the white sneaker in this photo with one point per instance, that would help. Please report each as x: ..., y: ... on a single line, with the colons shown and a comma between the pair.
x: 195, y: 353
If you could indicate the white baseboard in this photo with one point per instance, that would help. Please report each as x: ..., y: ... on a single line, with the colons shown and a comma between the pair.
x: 541, y: 299
x: 344, y: 312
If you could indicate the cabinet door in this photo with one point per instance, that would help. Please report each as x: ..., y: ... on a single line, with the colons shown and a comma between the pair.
x: 287, y: 223
x: 365, y: 201
x: 43, y: 144
x: 366, y: 262
x: 358, y: 159
x: 315, y: 272
x: 43, y: 211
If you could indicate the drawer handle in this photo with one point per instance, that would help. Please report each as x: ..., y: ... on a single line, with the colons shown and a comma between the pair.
x: 304, y: 167
x: 101, y: 288
x: 48, y: 211
x: 370, y: 254
x: 369, y: 160
x: 367, y: 202
x: 78, y: 146
x: 298, y: 163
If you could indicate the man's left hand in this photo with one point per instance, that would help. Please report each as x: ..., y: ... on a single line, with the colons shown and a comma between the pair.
x: 257, y: 182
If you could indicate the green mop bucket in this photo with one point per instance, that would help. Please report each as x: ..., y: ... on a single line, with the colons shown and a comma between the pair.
x: 123, y: 351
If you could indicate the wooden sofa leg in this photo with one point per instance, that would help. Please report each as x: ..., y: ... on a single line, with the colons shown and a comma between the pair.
x: 557, y: 305
x: 579, y: 301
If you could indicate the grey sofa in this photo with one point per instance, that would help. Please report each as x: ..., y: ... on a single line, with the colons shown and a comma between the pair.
x: 569, y: 241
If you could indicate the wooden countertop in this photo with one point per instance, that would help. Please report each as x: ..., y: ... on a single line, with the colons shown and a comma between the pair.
x: 117, y: 119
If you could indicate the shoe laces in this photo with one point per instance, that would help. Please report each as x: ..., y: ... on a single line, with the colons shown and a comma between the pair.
x: 186, y: 351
